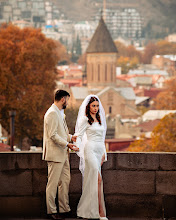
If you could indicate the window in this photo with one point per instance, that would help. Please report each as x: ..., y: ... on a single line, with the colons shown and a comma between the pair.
x: 110, y: 109
x: 111, y: 72
x: 98, y: 72
x: 105, y: 72
x: 92, y: 72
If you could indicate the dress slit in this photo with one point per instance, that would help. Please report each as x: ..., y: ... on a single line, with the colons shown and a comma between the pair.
x: 102, y: 195
x: 88, y: 206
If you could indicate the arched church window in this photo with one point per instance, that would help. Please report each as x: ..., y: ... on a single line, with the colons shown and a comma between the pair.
x: 110, y: 109
x: 111, y: 72
x: 98, y: 72
x: 92, y: 71
x: 105, y: 72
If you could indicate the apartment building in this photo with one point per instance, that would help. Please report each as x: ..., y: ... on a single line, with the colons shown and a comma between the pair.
x: 37, y: 12
x: 125, y: 22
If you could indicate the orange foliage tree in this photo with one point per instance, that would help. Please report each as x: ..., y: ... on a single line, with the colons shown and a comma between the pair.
x: 167, y: 99
x: 121, y: 48
x: 149, y: 52
x: 27, y: 79
x: 165, y: 47
x: 82, y: 59
x: 127, y: 63
x: 127, y: 51
x: 164, y: 134
x: 163, y: 137
x: 128, y: 57
x: 64, y: 57
x: 161, y: 47
x: 141, y: 145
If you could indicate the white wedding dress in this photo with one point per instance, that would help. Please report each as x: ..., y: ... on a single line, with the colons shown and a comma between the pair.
x: 88, y: 206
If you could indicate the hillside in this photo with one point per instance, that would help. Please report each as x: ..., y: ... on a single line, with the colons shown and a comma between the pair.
x: 159, y: 15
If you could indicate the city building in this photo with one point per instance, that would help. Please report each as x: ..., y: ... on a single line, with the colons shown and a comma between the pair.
x: 124, y: 22
x: 171, y: 38
x: 165, y: 62
x: 22, y: 23
x: 101, y: 80
x: 37, y: 12
x: 101, y: 58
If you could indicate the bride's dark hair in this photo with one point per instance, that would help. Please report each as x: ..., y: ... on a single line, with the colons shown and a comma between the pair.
x: 90, y: 119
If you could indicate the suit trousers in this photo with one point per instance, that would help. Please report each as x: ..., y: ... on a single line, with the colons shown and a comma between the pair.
x: 58, y: 177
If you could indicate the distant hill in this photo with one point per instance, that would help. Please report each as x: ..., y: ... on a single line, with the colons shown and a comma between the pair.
x: 159, y: 15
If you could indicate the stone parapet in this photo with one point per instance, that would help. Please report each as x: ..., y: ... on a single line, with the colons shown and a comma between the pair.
x: 135, y: 184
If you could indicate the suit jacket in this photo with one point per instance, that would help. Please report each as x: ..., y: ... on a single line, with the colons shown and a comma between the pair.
x: 56, y: 136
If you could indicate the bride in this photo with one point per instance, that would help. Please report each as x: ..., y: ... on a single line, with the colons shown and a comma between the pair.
x: 90, y: 131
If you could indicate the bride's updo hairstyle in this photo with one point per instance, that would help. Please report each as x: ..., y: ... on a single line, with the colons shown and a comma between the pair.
x: 90, y: 119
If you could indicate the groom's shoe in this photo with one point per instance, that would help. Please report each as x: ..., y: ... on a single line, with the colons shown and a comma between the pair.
x: 68, y: 215
x: 55, y: 216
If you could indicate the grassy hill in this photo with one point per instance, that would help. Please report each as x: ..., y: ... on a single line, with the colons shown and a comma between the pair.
x: 159, y: 15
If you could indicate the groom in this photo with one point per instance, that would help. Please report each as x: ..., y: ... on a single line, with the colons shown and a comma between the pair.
x: 55, y: 151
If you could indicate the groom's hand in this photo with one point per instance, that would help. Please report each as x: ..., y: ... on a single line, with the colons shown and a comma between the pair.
x: 74, y: 138
x: 73, y: 147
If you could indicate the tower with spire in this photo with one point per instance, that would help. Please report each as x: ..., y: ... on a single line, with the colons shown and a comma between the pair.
x: 101, y: 58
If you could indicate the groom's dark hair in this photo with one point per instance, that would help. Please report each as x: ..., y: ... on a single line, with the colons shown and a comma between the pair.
x: 60, y: 94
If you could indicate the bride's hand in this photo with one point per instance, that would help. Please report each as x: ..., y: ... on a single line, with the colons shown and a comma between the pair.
x: 74, y: 138
x: 102, y: 159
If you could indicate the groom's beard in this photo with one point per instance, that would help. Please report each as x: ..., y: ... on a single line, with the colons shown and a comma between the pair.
x: 64, y: 106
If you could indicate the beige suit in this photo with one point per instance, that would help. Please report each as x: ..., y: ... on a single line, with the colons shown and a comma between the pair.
x: 55, y: 140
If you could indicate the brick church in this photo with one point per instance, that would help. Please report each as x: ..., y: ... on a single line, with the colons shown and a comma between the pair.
x: 101, y: 59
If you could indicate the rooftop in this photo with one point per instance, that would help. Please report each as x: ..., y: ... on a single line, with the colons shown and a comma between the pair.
x: 101, y: 41
x: 156, y: 114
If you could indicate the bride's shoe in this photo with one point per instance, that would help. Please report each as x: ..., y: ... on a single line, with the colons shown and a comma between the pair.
x: 103, y: 218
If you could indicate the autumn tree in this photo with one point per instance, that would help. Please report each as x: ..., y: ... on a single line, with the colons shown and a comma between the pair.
x: 122, y: 49
x: 163, y: 137
x: 62, y: 53
x: 166, y: 99
x: 27, y: 79
x: 82, y: 59
x: 164, y: 134
x: 161, y: 47
x: 132, y: 52
x: 126, y: 63
x: 149, y: 52
x: 141, y: 145
x: 127, y: 51
x: 128, y: 57
x: 165, y: 47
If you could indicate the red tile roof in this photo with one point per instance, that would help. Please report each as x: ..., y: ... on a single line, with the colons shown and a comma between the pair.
x: 153, y: 92
x: 4, y: 147
x: 72, y: 82
x: 120, y: 144
x: 149, y: 125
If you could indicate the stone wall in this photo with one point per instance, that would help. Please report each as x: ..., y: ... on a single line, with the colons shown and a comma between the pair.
x: 135, y: 184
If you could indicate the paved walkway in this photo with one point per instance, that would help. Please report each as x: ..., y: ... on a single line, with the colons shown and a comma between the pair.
x: 113, y: 218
